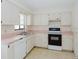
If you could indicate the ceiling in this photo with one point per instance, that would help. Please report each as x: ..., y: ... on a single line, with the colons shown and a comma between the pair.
x: 35, y: 5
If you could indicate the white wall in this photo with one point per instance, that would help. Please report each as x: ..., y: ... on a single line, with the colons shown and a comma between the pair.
x: 75, y: 28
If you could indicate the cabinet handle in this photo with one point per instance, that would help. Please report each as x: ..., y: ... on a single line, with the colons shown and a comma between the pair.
x: 8, y: 46
x: 20, y: 38
x: 1, y: 1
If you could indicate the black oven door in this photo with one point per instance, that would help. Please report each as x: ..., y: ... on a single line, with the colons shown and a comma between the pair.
x: 55, y: 39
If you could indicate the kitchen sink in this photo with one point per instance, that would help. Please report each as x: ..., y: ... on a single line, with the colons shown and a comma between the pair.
x: 24, y: 33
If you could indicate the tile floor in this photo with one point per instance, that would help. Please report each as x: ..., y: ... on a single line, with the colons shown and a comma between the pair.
x: 40, y: 53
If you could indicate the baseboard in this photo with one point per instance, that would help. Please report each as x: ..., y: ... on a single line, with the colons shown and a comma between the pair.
x: 76, y: 57
x: 28, y: 52
x: 40, y: 47
x: 68, y: 50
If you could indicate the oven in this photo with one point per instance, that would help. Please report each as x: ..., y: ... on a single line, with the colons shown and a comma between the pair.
x: 54, y: 39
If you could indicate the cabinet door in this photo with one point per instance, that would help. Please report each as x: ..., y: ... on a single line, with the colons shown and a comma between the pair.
x: 30, y: 44
x: 44, y: 40
x: 20, y: 48
x: 3, y: 11
x: 7, y: 51
x: 10, y: 14
x: 28, y: 20
x: 36, y: 20
x: 66, y: 18
x: 43, y: 19
x: 4, y: 51
x: 40, y: 19
x: 38, y: 40
x: 10, y: 53
x: 41, y: 40
x: 67, y: 43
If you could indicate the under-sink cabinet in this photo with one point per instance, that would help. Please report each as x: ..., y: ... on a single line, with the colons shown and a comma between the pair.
x: 7, y: 51
x: 15, y: 50
x: 20, y: 48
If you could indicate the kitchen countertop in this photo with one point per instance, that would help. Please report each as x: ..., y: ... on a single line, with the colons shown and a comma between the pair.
x: 14, y: 38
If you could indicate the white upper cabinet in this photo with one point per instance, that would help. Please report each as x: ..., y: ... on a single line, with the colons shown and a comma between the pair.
x: 44, y: 19
x: 66, y: 18
x: 10, y: 14
x: 36, y: 20
x: 28, y: 19
x: 40, y: 19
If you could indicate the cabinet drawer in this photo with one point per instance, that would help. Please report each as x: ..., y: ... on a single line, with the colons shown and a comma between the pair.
x: 67, y: 44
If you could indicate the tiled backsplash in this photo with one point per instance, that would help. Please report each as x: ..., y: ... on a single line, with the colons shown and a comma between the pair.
x: 38, y: 28
x: 7, y: 28
x: 34, y: 28
x: 65, y: 29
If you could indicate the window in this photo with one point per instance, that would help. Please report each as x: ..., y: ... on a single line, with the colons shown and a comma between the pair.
x: 22, y: 18
x: 22, y: 21
x: 21, y: 24
x: 16, y: 27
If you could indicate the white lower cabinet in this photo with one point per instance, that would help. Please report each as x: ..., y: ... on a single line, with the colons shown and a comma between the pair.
x: 10, y: 51
x: 67, y: 43
x: 41, y: 40
x: 20, y: 49
x: 15, y: 50
x: 7, y: 51
x: 30, y: 44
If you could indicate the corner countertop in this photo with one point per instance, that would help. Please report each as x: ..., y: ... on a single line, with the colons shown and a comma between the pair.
x: 10, y: 38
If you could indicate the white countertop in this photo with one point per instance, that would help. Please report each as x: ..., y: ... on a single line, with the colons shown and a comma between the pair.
x: 14, y: 39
